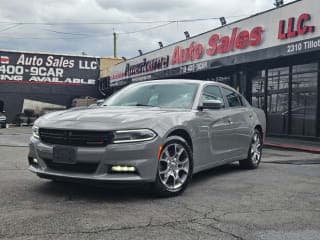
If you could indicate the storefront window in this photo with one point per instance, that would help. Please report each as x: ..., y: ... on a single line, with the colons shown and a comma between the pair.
x: 304, y: 99
x: 278, y: 93
x: 258, y: 83
x: 222, y: 79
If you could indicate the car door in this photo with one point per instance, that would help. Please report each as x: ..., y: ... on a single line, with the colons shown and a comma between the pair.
x: 215, y: 128
x: 240, y: 118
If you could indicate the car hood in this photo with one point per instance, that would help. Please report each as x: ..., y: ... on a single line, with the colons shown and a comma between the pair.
x: 107, y: 117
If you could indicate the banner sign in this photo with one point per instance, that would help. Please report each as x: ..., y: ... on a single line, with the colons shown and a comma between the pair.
x: 36, y: 68
x: 283, y: 31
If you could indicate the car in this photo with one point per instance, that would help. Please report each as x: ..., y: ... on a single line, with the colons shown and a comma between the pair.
x: 159, y: 132
x: 3, y: 120
x: 26, y: 118
x: 49, y: 110
x: 97, y: 103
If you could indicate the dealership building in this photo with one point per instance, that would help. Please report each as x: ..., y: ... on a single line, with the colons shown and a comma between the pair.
x: 34, y: 81
x: 272, y: 58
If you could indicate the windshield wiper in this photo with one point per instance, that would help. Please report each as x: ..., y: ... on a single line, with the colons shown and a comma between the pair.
x: 143, y: 105
x: 138, y: 105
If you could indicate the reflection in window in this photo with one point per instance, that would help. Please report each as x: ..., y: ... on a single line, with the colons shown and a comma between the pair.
x: 278, y: 93
x: 303, y: 112
x: 258, y: 83
x: 233, y: 98
x: 304, y: 99
x: 212, y: 93
x: 166, y: 95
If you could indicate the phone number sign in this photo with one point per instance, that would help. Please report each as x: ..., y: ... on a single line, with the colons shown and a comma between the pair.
x: 48, y: 69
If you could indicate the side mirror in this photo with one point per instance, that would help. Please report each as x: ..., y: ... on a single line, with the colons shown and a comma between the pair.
x: 211, y: 104
x: 100, y: 102
x: 93, y: 105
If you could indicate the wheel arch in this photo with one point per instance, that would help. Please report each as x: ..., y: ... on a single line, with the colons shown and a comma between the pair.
x: 182, y: 133
x: 260, y: 129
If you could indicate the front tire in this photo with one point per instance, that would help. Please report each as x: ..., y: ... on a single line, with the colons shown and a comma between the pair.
x: 174, y: 167
x: 255, y: 152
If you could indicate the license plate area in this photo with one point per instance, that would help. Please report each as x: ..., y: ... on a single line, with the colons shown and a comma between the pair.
x: 62, y: 154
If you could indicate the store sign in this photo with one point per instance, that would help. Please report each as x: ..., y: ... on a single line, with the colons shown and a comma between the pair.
x: 279, y: 32
x: 147, y: 66
x: 144, y: 67
x: 48, y: 69
x: 182, y: 55
x: 218, y: 44
x: 295, y: 27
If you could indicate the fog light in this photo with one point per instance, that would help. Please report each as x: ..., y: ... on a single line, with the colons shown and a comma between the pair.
x: 35, y: 161
x: 119, y: 168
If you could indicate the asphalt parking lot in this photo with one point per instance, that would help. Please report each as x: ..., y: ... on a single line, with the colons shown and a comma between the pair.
x: 280, y: 200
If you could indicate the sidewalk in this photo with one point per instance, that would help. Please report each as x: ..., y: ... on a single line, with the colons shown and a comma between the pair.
x: 292, y: 144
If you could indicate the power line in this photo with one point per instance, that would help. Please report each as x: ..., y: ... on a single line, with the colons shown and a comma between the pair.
x: 10, y: 27
x: 66, y: 33
x: 120, y: 23
x: 146, y: 29
x: 106, y: 35
x: 84, y: 36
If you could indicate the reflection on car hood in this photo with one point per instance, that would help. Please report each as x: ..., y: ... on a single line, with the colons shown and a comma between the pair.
x: 106, y: 117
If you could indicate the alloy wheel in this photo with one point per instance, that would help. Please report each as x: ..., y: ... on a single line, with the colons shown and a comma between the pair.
x: 256, y: 148
x: 174, y: 166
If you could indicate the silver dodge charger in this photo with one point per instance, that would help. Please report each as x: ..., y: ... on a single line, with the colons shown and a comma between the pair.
x: 161, y: 132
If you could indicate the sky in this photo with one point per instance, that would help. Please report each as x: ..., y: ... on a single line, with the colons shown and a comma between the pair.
x: 86, y: 26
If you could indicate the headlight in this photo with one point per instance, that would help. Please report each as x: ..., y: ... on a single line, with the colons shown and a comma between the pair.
x: 35, y: 132
x: 138, y: 135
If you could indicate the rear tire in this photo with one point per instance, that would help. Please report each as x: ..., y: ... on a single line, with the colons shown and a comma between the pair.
x: 255, y: 152
x: 174, y: 168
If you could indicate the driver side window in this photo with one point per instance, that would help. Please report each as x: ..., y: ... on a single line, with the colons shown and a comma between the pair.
x: 212, y: 92
x: 233, y: 98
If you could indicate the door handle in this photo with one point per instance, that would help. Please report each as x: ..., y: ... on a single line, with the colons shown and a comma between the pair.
x: 250, y: 115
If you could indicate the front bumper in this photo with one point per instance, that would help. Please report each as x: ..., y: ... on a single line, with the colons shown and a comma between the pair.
x: 94, y: 163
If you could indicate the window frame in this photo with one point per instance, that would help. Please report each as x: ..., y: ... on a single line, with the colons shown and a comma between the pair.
x: 237, y: 94
x: 219, y: 88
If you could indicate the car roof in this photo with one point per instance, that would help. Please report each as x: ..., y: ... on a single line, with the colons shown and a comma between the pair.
x: 197, y: 81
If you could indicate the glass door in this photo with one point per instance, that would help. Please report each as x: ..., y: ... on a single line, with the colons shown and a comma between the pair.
x: 258, y: 79
x: 290, y: 110
x: 304, y: 99
x: 278, y: 99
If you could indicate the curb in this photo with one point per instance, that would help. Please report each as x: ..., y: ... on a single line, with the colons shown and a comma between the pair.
x: 292, y: 147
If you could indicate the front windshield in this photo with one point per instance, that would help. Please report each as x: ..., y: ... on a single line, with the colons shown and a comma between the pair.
x: 164, y: 95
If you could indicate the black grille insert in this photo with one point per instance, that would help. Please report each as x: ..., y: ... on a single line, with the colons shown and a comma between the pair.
x: 75, y: 137
x: 74, y: 168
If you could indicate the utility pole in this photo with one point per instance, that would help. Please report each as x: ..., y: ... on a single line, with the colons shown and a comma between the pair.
x: 114, y: 44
